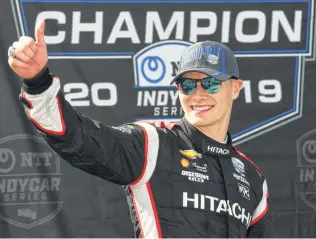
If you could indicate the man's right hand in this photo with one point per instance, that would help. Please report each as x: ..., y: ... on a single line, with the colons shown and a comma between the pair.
x: 30, y: 56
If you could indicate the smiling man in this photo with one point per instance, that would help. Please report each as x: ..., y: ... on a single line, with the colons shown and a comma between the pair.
x: 207, y: 102
x: 208, y: 83
x: 183, y: 179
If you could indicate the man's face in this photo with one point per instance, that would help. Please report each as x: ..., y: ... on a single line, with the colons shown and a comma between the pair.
x: 202, y: 109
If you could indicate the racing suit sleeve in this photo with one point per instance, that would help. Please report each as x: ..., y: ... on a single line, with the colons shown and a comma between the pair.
x: 261, y: 225
x: 112, y: 153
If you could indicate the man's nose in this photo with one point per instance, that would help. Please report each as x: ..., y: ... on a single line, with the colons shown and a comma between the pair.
x: 200, y: 90
x: 199, y: 93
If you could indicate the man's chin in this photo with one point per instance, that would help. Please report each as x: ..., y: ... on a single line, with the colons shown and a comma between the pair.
x: 199, y: 122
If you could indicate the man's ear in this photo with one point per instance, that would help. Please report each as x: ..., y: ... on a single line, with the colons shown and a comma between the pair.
x: 237, y: 85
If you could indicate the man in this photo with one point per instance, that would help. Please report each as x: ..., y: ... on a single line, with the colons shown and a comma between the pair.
x: 183, y: 179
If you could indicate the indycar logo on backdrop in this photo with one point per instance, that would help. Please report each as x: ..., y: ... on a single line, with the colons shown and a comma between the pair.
x: 306, y: 168
x: 139, y: 49
x: 156, y: 64
x: 30, y: 181
x: 154, y: 67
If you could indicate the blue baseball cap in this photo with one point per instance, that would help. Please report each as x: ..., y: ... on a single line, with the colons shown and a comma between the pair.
x: 211, y: 58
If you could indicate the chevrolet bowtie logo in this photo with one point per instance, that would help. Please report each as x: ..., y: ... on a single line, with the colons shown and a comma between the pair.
x: 190, y: 154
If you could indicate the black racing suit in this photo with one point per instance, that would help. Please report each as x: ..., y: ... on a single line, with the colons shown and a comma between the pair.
x: 179, y: 183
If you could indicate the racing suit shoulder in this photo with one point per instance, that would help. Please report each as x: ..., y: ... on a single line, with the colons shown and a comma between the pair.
x: 249, y: 161
x: 158, y: 136
x: 261, y: 224
x: 112, y: 153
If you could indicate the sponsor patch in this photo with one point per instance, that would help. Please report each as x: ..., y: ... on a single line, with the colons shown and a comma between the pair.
x: 240, y: 178
x: 190, y: 154
x: 194, y: 176
x: 185, y: 163
x: 244, y: 190
x: 239, y: 166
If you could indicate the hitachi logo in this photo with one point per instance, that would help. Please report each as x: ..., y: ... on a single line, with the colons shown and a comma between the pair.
x: 200, y: 201
x: 217, y: 150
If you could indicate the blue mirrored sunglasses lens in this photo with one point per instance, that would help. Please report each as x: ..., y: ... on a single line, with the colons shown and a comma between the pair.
x: 211, y: 85
x: 187, y: 86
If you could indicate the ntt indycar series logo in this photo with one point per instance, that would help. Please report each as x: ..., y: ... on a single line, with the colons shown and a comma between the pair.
x: 154, y: 68
x: 30, y: 180
x: 306, y: 168
x: 155, y: 65
x: 139, y: 47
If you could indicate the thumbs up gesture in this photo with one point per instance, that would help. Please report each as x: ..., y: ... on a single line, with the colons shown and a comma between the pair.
x: 28, y: 57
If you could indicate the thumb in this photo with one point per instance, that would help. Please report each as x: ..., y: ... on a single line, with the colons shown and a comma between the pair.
x: 40, y: 32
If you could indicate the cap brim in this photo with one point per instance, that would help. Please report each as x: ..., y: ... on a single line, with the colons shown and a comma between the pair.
x: 213, y: 73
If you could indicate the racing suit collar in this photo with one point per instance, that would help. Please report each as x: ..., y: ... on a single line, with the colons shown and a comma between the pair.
x: 204, y: 143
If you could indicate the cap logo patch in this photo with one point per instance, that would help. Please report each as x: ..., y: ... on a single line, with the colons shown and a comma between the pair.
x: 212, y: 59
x: 211, y: 53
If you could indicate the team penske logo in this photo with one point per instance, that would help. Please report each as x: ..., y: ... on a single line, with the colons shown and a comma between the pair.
x: 190, y: 154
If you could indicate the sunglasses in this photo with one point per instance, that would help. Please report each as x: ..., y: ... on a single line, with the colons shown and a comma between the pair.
x: 187, y: 86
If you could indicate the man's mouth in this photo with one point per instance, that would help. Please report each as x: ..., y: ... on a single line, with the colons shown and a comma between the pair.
x: 201, y: 108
